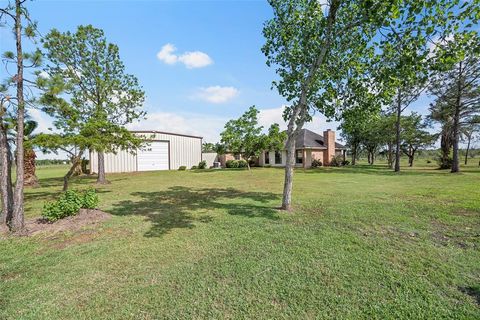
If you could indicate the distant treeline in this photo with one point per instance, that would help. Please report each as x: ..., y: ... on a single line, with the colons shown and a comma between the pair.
x: 45, y: 162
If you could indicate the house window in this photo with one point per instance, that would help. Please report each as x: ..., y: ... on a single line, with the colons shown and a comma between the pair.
x: 299, y: 157
x: 278, y: 157
x: 236, y: 156
x: 267, y: 157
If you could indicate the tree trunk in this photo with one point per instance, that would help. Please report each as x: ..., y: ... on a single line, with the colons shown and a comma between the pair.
x: 76, y: 161
x: 397, y: 133
x: 456, y: 122
x: 390, y: 155
x: 354, y: 155
x: 18, y: 223
x: 29, y: 165
x: 468, y: 148
x: 101, y: 168
x: 6, y: 190
x: 289, y: 166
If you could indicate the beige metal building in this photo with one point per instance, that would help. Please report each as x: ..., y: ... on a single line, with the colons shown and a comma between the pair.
x: 164, y: 151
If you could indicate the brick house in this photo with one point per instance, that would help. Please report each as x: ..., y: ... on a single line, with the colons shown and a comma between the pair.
x: 309, y: 145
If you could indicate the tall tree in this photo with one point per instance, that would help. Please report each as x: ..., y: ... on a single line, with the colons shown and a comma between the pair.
x: 6, y: 187
x: 457, y: 84
x: 320, y: 50
x: 105, y: 98
x: 17, y: 13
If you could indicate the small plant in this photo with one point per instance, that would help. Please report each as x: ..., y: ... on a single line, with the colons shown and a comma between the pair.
x: 194, y: 168
x: 429, y: 161
x: 182, y: 168
x: 69, y: 203
x: 316, y: 163
x: 202, y: 164
x: 345, y: 163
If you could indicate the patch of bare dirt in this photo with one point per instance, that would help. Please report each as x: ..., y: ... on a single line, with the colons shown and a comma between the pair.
x: 85, y: 218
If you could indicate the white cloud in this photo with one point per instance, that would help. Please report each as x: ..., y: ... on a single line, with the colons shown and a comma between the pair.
x: 44, y: 121
x: 217, y: 94
x: 166, y: 54
x: 191, y: 60
x: 204, y: 125
x: 275, y: 115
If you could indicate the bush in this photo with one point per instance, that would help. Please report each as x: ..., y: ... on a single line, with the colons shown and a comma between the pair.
x: 90, y: 199
x: 236, y: 164
x: 316, y: 163
x: 69, y: 203
x: 202, y: 164
x: 336, y: 161
x: 429, y: 161
x: 231, y: 164
x: 182, y: 168
x: 242, y: 163
x: 444, y: 163
x: 345, y: 163
x: 194, y: 168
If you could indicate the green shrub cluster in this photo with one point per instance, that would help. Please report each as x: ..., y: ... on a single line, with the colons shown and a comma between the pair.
x: 182, y: 168
x: 193, y: 168
x: 69, y: 203
x: 236, y: 164
x: 202, y: 164
x: 316, y: 163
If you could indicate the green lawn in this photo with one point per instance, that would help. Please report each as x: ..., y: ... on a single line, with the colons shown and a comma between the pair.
x: 362, y: 243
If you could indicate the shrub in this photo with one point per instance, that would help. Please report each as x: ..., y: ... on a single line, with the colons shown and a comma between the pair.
x: 69, y: 203
x: 202, y: 164
x: 316, y: 163
x: 90, y: 199
x: 336, y: 161
x: 242, y: 163
x: 444, y: 163
x: 182, y: 168
x: 429, y: 161
x: 345, y: 163
x: 231, y: 164
x: 194, y: 167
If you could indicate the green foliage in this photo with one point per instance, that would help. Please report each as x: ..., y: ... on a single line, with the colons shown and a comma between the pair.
x: 69, y: 203
x: 231, y: 164
x: 336, y: 161
x: 242, y: 163
x: 208, y: 147
x: 194, y: 168
x: 101, y: 97
x: 236, y: 164
x: 90, y: 199
x: 316, y: 163
x: 182, y: 168
x: 202, y: 164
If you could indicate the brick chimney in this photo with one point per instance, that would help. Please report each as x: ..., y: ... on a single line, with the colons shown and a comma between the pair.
x: 329, y: 142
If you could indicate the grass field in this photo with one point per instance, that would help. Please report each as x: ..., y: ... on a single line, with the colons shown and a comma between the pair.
x: 363, y: 242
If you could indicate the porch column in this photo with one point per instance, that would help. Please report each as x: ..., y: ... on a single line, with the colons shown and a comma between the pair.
x: 304, y: 151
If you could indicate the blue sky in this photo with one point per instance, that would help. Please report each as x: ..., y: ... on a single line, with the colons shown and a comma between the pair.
x: 215, y: 72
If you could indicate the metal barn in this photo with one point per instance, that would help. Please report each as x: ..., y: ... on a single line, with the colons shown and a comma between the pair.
x: 164, y: 151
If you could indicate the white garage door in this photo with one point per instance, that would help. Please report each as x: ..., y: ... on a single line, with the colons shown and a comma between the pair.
x: 153, y: 157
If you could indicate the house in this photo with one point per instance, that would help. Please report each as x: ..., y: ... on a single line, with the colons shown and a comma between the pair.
x: 164, y: 151
x: 309, y: 146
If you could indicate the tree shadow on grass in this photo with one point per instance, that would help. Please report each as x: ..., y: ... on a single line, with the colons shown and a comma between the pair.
x: 182, y: 207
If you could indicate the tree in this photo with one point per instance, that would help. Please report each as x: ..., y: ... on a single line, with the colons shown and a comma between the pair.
x: 468, y: 132
x: 208, y: 147
x: 18, y: 14
x: 440, y: 112
x: 244, y: 136
x: 30, y: 179
x: 275, y: 139
x: 321, y: 53
x: 457, y: 85
x: 6, y: 188
x: 415, y: 136
x: 102, y: 97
